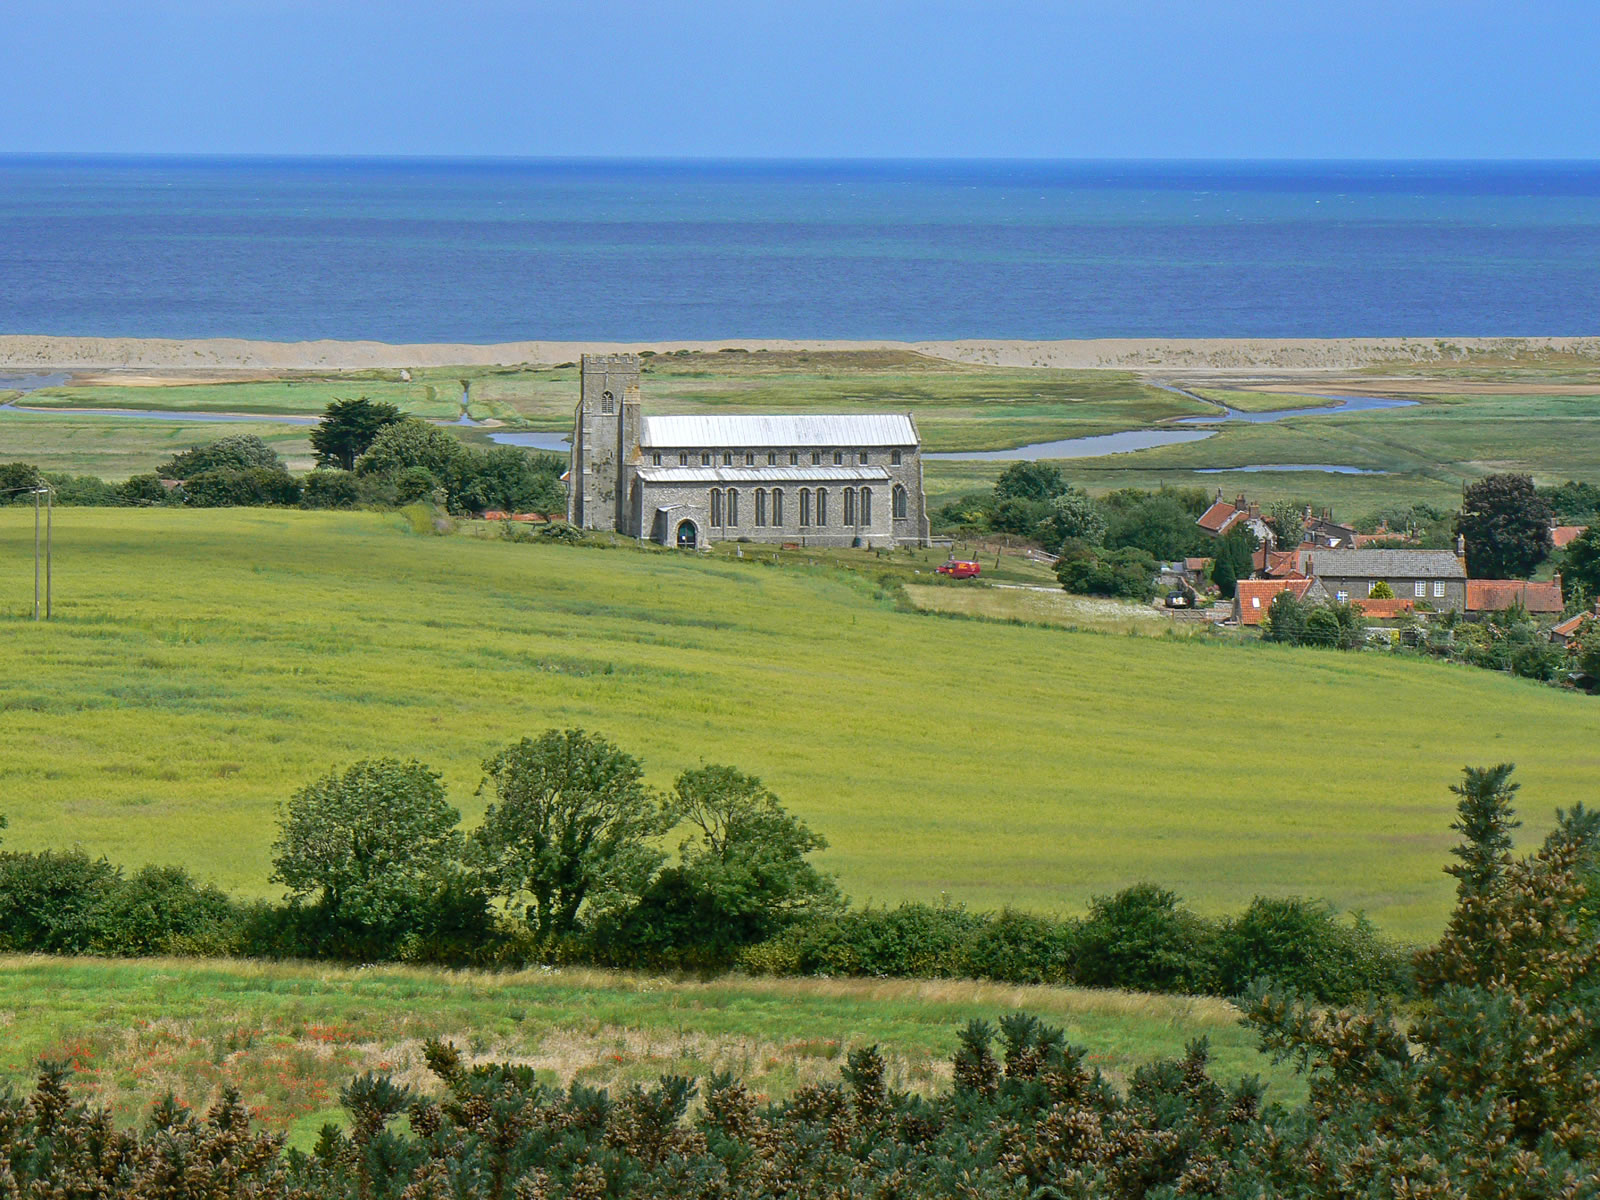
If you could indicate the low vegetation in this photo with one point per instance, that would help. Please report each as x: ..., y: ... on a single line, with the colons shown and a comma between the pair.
x: 1484, y: 1088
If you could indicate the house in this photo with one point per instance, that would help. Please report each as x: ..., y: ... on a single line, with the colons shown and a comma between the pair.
x: 1223, y: 516
x: 686, y: 481
x: 1497, y: 595
x: 1325, y: 531
x: 1561, y: 536
x: 1280, y: 564
x: 1436, y: 577
x: 1565, y: 633
x: 1384, y: 610
x: 1253, y: 597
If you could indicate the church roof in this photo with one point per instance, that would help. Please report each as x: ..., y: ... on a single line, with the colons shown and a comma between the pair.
x: 842, y: 430
x: 754, y: 475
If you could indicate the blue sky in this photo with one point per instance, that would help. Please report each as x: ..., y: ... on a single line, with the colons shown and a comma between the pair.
x: 753, y: 78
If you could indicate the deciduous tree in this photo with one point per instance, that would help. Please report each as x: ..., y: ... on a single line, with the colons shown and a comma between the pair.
x: 1506, y: 527
x: 571, y: 825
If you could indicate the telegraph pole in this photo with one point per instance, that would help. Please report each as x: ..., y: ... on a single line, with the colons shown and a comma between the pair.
x: 35, y: 554
x: 49, y: 529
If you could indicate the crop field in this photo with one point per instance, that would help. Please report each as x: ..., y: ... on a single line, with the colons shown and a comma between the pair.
x: 204, y: 664
x: 288, y: 1037
x: 1037, y: 606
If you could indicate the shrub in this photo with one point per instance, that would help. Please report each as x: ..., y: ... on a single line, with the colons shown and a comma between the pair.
x: 330, y: 489
x: 1301, y: 945
x: 1142, y: 940
x: 163, y: 910
x: 233, y: 488
x: 240, y: 452
x: 53, y: 901
x: 1019, y: 947
x: 912, y: 940
x: 1094, y: 571
x: 146, y: 490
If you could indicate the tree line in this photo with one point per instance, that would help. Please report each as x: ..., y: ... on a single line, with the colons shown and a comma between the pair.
x: 1483, y: 1086
x: 369, y: 454
x: 568, y: 866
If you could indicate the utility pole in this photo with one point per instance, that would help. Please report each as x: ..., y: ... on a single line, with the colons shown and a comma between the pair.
x: 49, y: 529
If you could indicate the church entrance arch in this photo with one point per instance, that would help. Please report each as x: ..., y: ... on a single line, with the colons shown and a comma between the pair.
x: 688, y: 535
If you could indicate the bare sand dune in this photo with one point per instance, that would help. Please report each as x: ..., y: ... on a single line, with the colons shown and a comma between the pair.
x: 19, y: 352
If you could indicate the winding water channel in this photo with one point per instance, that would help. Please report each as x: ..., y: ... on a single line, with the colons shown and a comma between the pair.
x: 1098, y: 445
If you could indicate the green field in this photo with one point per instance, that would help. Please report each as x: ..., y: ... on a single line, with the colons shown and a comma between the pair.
x: 203, y: 664
x: 288, y: 1037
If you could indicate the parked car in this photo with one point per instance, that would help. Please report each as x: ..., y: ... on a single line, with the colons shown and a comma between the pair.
x: 960, y: 568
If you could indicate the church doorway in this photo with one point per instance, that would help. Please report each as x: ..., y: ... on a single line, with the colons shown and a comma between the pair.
x: 687, y: 535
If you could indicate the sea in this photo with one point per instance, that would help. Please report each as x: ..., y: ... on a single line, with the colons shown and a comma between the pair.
x: 490, y: 251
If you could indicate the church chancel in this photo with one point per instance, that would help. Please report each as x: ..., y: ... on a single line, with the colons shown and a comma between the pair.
x: 818, y: 480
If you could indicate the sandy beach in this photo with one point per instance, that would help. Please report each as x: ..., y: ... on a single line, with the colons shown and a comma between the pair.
x: 44, y: 353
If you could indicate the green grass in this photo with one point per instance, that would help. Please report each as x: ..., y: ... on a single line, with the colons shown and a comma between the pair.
x: 289, y: 1036
x: 117, y: 447
x: 1251, y: 401
x: 1054, y: 607
x: 204, y: 664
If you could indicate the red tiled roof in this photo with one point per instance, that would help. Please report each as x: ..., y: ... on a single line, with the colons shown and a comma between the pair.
x: 1254, y: 596
x: 1196, y: 564
x: 1496, y: 595
x: 1383, y: 610
x: 1218, y: 517
x: 1572, y: 624
x: 1563, y: 534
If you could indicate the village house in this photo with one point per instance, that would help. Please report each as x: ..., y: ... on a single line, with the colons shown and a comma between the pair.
x: 1435, y: 577
x: 1222, y: 516
x: 1497, y: 595
x: 1253, y: 597
x: 686, y: 481
x: 1325, y: 531
x: 1562, y: 536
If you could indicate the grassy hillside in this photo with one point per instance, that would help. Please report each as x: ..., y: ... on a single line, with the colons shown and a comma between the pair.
x: 206, y: 663
x: 288, y: 1037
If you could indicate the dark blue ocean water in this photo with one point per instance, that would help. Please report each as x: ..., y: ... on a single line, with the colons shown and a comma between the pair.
x: 482, y: 252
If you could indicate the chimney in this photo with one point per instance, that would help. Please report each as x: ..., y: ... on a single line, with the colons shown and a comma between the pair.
x: 1461, y: 545
x: 1255, y: 510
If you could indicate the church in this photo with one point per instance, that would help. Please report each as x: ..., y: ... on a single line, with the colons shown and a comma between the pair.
x: 687, y: 481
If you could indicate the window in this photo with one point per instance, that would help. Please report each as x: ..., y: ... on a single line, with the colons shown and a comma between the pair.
x: 794, y: 458
x: 683, y: 459
x: 1342, y: 597
x: 777, y: 506
x: 838, y: 458
x: 705, y: 460
x: 772, y: 458
x: 863, y: 458
x: 822, y: 506
x: 805, y: 507
x: 894, y: 458
x: 655, y: 459
x: 761, y: 506
x: 899, y: 503
x: 849, y: 506
x: 866, y: 506
x: 733, y: 507
x: 608, y: 402
x: 716, y: 508
x: 727, y: 458
x: 1438, y: 589
x: 749, y: 459
x: 816, y: 458
x: 1420, y: 590
x: 1255, y: 601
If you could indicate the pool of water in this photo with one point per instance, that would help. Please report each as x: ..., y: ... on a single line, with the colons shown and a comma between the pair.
x: 1347, y: 404
x: 161, y: 414
x: 30, y: 383
x: 552, y: 442
x: 1085, y: 447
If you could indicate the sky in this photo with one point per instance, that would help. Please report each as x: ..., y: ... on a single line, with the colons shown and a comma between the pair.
x: 822, y: 79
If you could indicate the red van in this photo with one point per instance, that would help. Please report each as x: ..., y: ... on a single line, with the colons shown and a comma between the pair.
x: 958, y: 568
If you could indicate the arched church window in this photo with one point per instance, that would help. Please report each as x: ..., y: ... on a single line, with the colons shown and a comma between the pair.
x: 761, y: 506
x: 805, y: 506
x: 733, y: 506
x: 899, y: 503
x: 608, y: 402
x: 866, y: 506
x: 822, y: 506
x: 716, y: 508
x: 849, y: 506
x: 777, y: 506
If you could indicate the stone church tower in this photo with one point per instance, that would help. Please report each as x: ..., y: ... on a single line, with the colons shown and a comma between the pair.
x: 605, y: 442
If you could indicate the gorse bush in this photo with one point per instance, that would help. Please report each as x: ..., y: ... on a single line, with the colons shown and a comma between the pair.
x: 1486, y: 1089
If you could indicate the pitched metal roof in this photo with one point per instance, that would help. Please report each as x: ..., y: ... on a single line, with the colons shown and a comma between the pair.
x: 1385, y: 564
x: 753, y: 475
x: 744, y: 431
